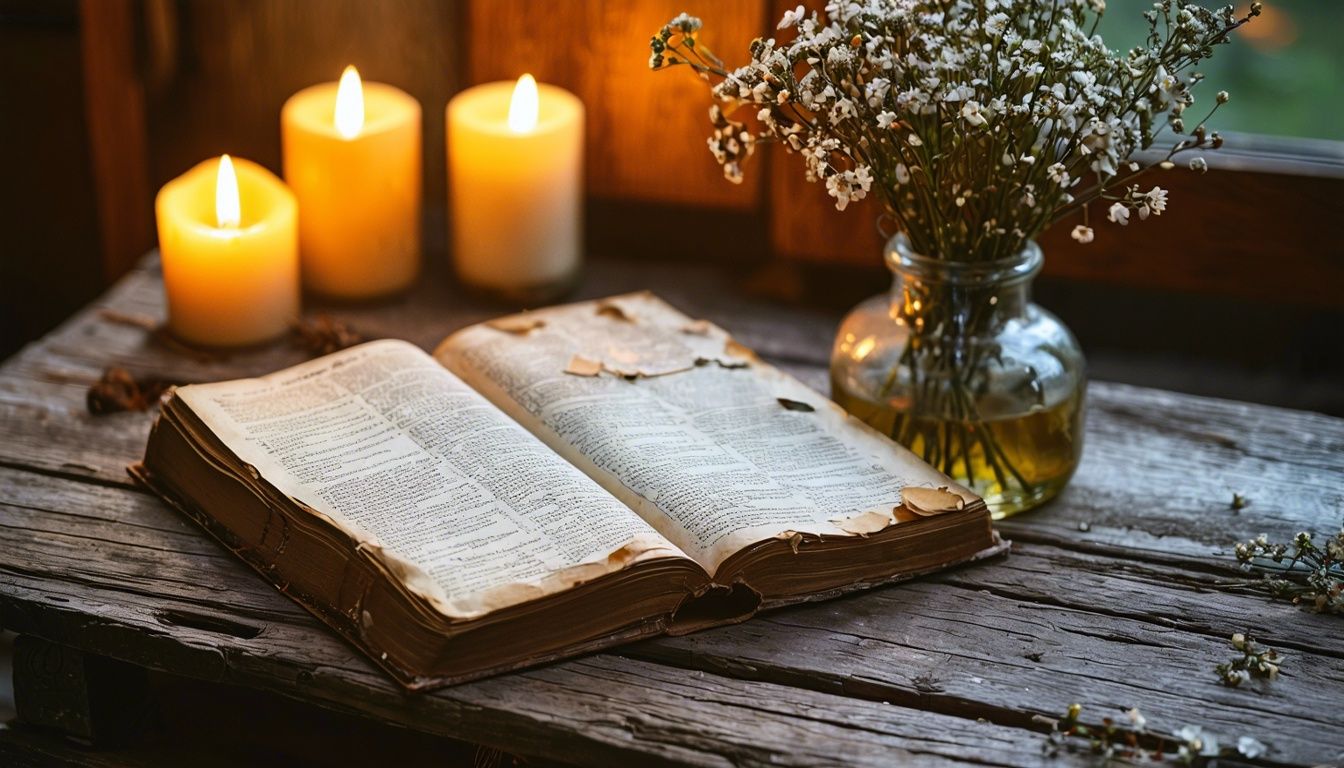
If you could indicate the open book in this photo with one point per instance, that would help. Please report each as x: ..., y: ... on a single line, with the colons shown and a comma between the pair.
x: 548, y: 484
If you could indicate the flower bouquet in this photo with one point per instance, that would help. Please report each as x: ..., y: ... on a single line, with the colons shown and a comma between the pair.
x: 977, y: 125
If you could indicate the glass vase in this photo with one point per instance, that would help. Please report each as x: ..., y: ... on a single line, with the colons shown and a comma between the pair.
x: 957, y: 364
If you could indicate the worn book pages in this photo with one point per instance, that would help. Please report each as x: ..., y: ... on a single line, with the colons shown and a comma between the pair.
x: 470, y: 510
x: 716, y: 449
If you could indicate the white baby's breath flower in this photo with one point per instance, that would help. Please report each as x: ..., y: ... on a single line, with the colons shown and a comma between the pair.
x: 971, y: 113
x: 1058, y: 174
x: 1136, y: 719
x: 1195, y: 742
x: 996, y: 24
x: 992, y: 87
x: 1118, y: 213
x: 1157, y: 200
x: 1199, y: 164
x: 1251, y: 747
x: 792, y: 17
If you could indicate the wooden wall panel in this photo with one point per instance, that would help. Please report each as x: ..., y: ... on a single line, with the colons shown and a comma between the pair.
x: 646, y: 130
x: 1238, y: 234
x: 114, y: 99
x: 51, y: 259
x: 219, y: 72
x: 1262, y: 237
x: 804, y: 225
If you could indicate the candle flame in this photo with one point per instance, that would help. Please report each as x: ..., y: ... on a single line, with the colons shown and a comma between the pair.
x: 228, y: 212
x: 349, y: 104
x: 523, y: 106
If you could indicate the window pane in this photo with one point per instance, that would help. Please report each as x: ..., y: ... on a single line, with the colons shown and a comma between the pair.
x: 1283, y: 69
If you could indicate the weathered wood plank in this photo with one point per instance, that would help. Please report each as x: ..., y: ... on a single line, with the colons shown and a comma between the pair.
x: 124, y: 578
x: 973, y: 652
x: 1212, y: 602
x: 1115, y: 638
x: 22, y: 747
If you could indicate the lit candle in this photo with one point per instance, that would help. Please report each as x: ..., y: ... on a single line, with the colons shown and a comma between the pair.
x: 515, y: 177
x: 352, y: 157
x: 228, y: 242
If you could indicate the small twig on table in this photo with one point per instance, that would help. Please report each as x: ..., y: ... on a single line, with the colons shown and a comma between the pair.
x: 144, y: 322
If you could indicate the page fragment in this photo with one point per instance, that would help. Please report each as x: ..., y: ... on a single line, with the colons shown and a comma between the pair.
x: 468, y: 508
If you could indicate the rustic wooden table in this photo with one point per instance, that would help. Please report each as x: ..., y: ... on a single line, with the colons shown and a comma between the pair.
x: 1116, y: 595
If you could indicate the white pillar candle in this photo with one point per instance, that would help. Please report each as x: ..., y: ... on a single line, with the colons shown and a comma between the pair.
x: 352, y: 157
x: 229, y: 245
x: 515, y: 175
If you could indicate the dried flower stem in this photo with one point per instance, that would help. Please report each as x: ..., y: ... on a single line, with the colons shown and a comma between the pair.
x: 1257, y: 662
x: 1132, y: 740
x: 1303, y: 572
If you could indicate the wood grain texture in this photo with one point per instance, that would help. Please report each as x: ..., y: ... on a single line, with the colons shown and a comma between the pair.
x: 1122, y: 592
x: 163, y: 597
x: 114, y: 99
x: 1228, y: 233
x: 646, y: 130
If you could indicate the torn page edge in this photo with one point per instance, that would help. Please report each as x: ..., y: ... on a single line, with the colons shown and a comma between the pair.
x: 579, y: 365
x: 477, y: 604
x: 613, y: 309
x: 734, y: 355
x: 517, y: 324
x: 865, y: 523
x: 926, y: 501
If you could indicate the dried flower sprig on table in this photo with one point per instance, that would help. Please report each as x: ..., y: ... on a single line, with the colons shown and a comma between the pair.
x: 1254, y: 661
x: 978, y: 124
x: 1305, y: 572
x: 1131, y: 739
x: 117, y: 391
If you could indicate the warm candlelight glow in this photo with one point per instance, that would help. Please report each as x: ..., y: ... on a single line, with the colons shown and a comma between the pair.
x: 515, y: 167
x: 228, y: 212
x: 229, y: 280
x: 352, y: 158
x: 523, y: 106
x: 349, y: 104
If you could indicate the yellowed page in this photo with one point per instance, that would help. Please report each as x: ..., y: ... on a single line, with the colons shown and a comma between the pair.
x: 469, y: 508
x: 686, y: 426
